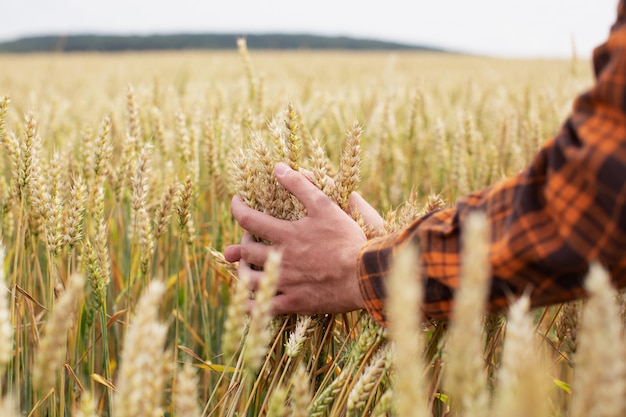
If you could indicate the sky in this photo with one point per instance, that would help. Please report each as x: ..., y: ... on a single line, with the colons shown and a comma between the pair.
x: 503, y: 28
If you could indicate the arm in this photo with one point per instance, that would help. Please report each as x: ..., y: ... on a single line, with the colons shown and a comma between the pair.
x: 566, y: 209
x: 547, y: 223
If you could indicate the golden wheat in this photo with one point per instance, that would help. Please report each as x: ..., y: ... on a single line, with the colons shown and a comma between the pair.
x: 259, y: 335
x: 6, y: 324
x: 144, y: 362
x: 405, y: 290
x: 186, y: 393
x: 74, y: 187
x: 52, y: 346
x: 599, y: 383
x: 523, y: 387
x: 465, y: 370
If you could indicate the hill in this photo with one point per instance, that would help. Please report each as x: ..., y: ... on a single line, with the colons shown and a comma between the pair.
x: 109, y: 43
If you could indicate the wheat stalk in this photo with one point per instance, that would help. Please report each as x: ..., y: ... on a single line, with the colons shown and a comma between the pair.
x: 99, y: 159
x: 186, y: 393
x: 349, y: 175
x: 319, y: 406
x: 293, y: 347
x: 87, y: 407
x: 405, y: 328
x: 143, y: 366
x: 164, y: 211
x: 54, y: 210
x: 6, y: 326
x: 465, y: 377
x: 74, y: 216
x: 236, y: 320
x: 242, y: 46
x: 367, y: 381
x: 9, y: 407
x: 277, y: 402
x: 599, y: 378
x: 300, y: 392
x: 51, y: 350
x: 4, y: 107
x: 183, y: 209
x: 523, y: 384
x: 259, y: 335
x: 134, y: 124
x: 567, y: 326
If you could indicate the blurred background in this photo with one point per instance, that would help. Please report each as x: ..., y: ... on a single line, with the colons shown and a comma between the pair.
x: 530, y: 29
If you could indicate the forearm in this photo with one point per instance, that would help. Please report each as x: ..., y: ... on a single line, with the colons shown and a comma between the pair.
x: 565, y: 210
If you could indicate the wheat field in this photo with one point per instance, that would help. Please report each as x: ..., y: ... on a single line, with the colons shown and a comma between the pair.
x: 116, y: 174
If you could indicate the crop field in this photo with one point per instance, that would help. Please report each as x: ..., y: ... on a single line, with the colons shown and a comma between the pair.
x: 116, y: 175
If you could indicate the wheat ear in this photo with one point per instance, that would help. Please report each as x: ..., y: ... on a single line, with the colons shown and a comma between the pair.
x: 259, y: 335
x: 186, y: 394
x: 236, y: 319
x: 293, y: 347
x: 522, y: 378
x: 6, y: 326
x: 300, y: 392
x: 143, y: 360
x: 599, y: 368
x: 405, y: 296
x: 465, y: 376
x: 51, y: 350
x: 9, y: 407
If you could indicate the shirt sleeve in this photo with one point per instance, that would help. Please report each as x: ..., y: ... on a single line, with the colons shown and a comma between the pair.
x: 566, y: 209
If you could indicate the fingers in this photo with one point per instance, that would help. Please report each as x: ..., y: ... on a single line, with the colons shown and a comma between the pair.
x: 314, y: 200
x: 370, y: 215
x: 270, y: 228
x: 253, y: 252
x: 232, y: 253
x: 259, y: 224
x: 249, y: 250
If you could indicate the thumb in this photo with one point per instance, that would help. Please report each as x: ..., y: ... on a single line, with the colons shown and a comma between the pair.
x: 313, y: 198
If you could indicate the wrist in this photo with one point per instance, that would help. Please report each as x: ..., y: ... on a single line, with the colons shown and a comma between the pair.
x: 352, y: 276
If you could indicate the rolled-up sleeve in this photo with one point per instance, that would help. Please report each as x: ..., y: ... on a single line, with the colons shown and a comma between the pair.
x: 565, y: 210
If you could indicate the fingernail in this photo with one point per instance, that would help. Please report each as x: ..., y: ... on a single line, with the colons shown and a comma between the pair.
x: 281, y: 169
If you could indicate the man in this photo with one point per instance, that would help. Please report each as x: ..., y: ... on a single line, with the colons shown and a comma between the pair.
x: 567, y: 209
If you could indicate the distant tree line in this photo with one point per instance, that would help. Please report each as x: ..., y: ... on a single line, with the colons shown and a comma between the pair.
x: 107, y: 43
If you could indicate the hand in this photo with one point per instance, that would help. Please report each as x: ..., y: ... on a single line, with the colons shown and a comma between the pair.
x: 319, y: 251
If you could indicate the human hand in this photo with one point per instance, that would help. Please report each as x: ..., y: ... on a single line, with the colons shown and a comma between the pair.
x: 319, y: 251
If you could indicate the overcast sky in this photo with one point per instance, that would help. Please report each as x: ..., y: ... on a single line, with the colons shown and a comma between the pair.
x: 531, y: 28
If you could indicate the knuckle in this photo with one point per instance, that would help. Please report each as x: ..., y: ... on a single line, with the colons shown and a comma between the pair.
x: 299, y: 180
x: 320, y: 200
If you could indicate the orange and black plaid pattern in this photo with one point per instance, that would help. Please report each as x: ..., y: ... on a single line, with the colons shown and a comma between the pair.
x: 567, y: 209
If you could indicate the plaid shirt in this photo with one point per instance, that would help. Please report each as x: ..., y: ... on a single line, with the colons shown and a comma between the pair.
x: 547, y: 224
